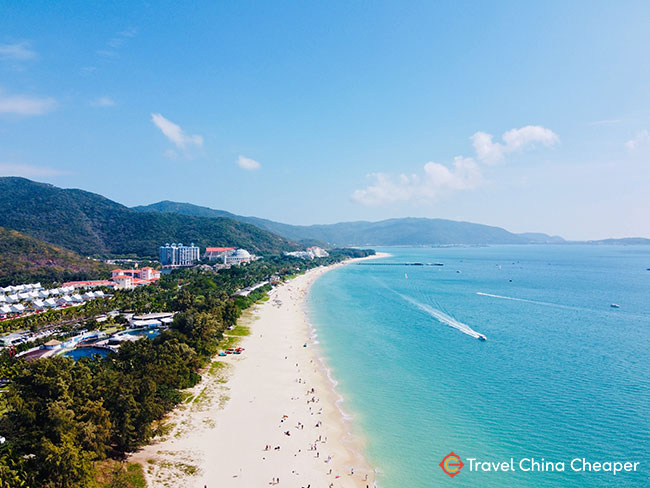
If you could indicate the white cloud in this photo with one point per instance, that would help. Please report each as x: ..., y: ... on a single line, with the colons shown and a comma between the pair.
x: 640, y: 139
x: 102, y: 102
x: 20, y: 51
x: 25, y: 105
x: 27, y: 170
x: 464, y: 174
x: 514, y: 140
x: 175, y: 134
x: 437, y: 180
x: 248, y: 164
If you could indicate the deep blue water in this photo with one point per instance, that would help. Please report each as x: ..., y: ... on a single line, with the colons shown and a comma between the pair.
x: 561, y: 375
x: 83, y: 352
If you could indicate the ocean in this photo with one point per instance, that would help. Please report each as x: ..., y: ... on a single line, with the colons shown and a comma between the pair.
x: 562, y: 375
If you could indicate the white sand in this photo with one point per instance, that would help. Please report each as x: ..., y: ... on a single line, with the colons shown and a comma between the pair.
x: 219, y: 439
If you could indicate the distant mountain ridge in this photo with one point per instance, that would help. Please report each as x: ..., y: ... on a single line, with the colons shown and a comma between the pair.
x: 623, y: 241
x: 91, y: 224
x: 391, y: 232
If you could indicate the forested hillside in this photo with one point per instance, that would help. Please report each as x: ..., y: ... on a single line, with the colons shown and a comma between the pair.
x: 91, y: 224
x: 25, y: 259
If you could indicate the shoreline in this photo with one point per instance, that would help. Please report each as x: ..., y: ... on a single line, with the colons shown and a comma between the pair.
x: 279, y: 393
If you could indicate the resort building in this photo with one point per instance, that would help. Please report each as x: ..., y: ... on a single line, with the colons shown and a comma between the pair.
x: 177, y: 255
x: 217, y: 253
x: 318, y: 252
x: 309, y: 253
x: 123, y: 282
x: 151, y: 320
x: 240, y: 256
x: 138, y: 277
x: 148, y: 273
x: 4, y: 311
x: 20, y: 288
x: 144, y: 274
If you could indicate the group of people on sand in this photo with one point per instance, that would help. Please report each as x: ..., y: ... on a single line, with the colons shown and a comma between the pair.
x: 312, y: 398
x: 293, y: 426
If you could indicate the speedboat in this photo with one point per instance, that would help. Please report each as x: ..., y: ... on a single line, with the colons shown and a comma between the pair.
x: 481, y: 337
x: 614, y: 305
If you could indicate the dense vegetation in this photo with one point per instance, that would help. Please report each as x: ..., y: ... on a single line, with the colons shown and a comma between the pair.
x: 91, y: 224
x: 392, y: 232
x: 24, y: 259
x: 60, y: 417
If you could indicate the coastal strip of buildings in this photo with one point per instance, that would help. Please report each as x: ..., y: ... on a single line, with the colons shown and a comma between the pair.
x: 32, y: 298
x: 177, y: 255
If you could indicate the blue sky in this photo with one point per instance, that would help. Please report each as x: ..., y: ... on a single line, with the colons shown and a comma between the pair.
x: 530, y: 116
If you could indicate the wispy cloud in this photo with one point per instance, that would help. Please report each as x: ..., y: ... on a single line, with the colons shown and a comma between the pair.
x: 88, y: 70
x: 115, y: 43
x: 641, y: 138
x: 514, y: 140
x: 248, y: 164
x: 28, y: 170
x: 175, y: 134
x: 437, y: 180
x: 606, y: 122
x: 20, y: 51
x: 26, y: 105
x: 463, y: 174
x: 109, y: 51
x: 102, y: 102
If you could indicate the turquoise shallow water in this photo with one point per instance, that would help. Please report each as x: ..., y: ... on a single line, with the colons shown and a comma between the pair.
x: 562, y: 374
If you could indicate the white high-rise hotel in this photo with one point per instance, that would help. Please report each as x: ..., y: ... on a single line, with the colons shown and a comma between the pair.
x: 173, y: 255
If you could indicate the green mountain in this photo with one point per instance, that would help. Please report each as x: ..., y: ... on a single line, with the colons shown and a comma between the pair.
x: 392, y: 232
x: 24, y: 259
x: 91, y: 224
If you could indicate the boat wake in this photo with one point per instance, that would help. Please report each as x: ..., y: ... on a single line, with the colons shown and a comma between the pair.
x: 525, y: 300
x: 443, y: 317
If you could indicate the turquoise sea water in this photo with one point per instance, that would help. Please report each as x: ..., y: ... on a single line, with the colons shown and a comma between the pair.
x: 562, y: 374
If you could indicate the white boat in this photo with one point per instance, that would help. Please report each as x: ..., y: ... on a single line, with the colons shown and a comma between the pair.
x: 614, y: 305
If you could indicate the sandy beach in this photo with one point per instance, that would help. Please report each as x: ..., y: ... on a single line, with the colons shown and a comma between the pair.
x: 267, y: 417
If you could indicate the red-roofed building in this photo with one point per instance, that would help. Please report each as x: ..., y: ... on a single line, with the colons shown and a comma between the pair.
x: 217, y: 253
x: 89, y: 283
x: 147, y: 273
x: 123, y: 282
